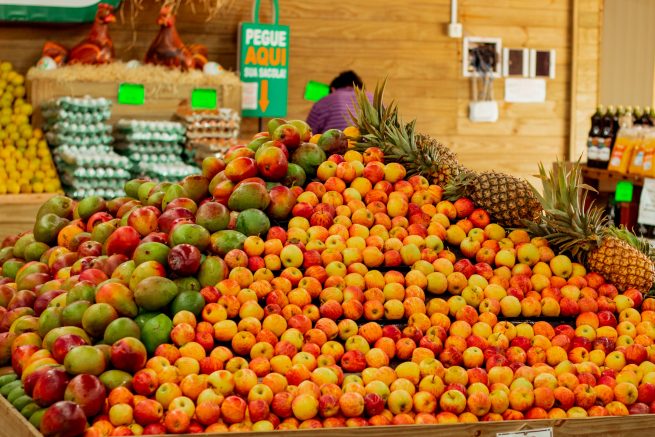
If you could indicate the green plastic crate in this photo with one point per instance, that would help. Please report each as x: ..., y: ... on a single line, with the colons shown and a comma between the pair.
x: 52, y: 11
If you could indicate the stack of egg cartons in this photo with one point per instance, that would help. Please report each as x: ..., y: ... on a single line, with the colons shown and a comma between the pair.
x: 80, y: 136
x: 154, y: 148
x: 209, y: 132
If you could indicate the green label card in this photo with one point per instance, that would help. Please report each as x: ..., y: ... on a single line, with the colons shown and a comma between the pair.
x: 315, y: 91
x: 131, y: 94
x: 624, y: 191
x: 203, y: 98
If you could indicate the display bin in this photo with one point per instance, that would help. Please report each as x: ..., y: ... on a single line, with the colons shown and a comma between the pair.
x: 18, y: 212
x: 164, y: 88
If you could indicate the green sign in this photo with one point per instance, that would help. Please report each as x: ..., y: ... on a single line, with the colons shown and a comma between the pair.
x: 203, y: 98
x: 624, y: 191
x: 315, y: 91
x: 59, y: 11
x: 131, y: 94
x: 264, y: 66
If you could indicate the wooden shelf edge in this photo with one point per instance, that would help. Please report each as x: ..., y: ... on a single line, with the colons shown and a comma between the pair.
x: 12, y: 199
x: 13, y: 423
x: 608, y: 175
x: 632, y: 426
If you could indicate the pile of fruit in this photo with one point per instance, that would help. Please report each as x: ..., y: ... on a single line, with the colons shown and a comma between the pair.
x: 245, y: 299
x: 25, y: 162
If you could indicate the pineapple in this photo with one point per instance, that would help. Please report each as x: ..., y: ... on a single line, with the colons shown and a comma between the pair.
x: 381, y: 127
x: 583, y: 231
x: 508, y: 199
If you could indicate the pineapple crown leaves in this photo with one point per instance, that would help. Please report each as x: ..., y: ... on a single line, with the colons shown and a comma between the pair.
x: 567, y: 220
x: 372, y: 118
x: 459, y: 185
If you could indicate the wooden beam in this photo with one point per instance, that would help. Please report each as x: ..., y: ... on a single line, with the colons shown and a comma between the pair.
x: 573, y: 113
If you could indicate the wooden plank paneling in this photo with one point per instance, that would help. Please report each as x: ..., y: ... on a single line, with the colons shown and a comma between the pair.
x: 405, y: 41
x: 585, y: 69
x: 627, y: 53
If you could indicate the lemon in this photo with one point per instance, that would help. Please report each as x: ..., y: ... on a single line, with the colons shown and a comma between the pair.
x: 26, y: 188
x: 19, y: 91
x: 50, y: 186
x: 3, y: 188
x: 42, y: 153
x: 38, y: 187
x: 26, y: 109
x: 22, y: 164
x: 13, y: 187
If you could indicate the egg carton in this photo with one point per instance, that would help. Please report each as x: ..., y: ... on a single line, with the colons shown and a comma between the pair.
x: 80, y: 193
x: 166, y: 172
x: 84, y: 104
x: 79, y: 129
x: 53, y: 116
x: 145, y: 148
x: 145, y: 137
x: 56, y: 139
x: 126, y: 126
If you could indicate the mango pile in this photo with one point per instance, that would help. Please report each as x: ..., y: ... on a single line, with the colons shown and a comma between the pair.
x: 298, y: 284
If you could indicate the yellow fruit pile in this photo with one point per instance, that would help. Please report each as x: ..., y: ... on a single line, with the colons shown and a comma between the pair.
x: 25, y: 162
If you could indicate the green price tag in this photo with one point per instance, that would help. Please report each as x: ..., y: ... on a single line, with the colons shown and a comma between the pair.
x: 624, y: 191
x: 203, y: 98
x: 131, y: 94
x: 315, y: 91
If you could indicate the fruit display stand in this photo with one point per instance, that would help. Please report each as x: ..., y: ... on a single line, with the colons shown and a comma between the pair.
x: 236, y: 300
x: 18, y: 212
x: 163, y: 88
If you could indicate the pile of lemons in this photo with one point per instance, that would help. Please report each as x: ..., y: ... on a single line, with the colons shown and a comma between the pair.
x: 26, y: 165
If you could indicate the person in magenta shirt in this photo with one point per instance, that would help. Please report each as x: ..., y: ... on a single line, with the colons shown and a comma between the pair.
x: 332, y: 111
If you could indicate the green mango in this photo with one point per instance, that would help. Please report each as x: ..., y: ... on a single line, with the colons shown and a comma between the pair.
x: 29, y: 409
x: 156, y: 331
x: 8, y: 388
x: 22, y: 243
x: 6, y: 379
x: 90, y: 205
x: 61, y: 206
x: 47, y: 228
x: 212, y: 271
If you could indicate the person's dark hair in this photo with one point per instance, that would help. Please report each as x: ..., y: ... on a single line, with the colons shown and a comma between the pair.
x: 346, y: 79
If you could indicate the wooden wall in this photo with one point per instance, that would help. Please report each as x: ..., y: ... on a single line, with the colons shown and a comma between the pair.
x: 404, y: 40
x: 585, y: 72
x: 628, y: 53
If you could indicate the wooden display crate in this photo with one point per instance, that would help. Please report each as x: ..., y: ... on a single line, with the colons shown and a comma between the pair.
x: 15, y: 425
x: 18, y: 212
x: 164, y: 88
